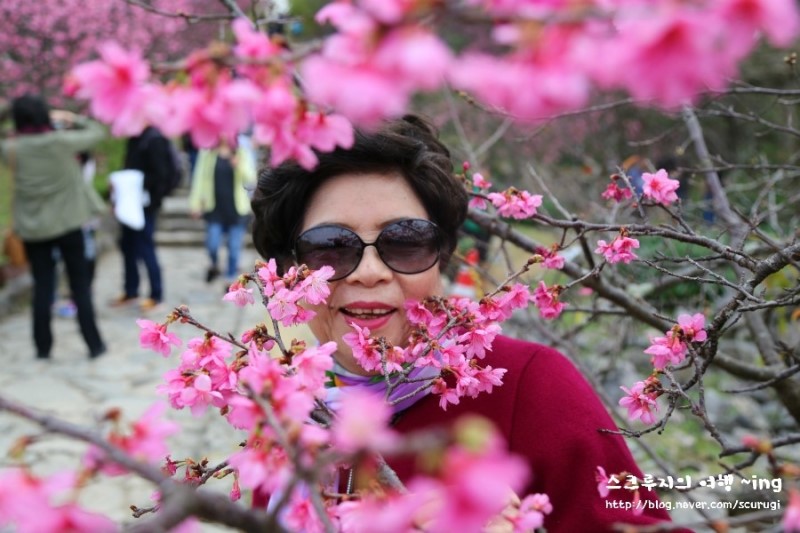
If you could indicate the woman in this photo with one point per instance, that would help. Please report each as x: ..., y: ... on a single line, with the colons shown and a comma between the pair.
x: 354, y: 211
x: 51, y: 204
x: 219, y: 193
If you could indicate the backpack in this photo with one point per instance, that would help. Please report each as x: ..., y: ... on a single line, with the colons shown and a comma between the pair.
x: 175, y: 167
x: 176, y: 170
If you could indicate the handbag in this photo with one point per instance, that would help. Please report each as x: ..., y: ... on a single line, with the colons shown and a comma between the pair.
x: 13, y: 249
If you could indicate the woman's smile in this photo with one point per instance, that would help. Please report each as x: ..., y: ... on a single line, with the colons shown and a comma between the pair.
x: 372, y: 315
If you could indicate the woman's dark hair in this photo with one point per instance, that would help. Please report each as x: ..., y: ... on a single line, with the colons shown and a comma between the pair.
x: 31, y: 114
x: 408, y: 146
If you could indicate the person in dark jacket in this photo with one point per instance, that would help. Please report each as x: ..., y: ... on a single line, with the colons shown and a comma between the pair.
x: 149, y: 153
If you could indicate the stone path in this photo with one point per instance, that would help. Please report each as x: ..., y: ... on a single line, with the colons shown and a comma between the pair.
x: 72, y: 387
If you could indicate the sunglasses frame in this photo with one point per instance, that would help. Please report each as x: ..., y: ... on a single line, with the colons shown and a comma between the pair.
x: 364, y: 245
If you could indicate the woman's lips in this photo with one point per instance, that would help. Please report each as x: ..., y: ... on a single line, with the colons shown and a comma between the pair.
x: 372, y: 315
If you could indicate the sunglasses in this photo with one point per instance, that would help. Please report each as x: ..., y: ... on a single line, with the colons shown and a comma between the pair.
x: 408, y: 246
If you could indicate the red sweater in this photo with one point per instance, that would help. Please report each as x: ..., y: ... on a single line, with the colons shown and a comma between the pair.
x: 549, y: 415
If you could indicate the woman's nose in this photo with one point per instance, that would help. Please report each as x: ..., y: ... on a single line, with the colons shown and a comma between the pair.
x: 371, y: 270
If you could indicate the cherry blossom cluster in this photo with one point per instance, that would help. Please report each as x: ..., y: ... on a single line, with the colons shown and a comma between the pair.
x: 145, y: 441
x: 216, y: 102
x: 667, y: 351
x: 369, y: 68
x: 615, y: 192
x: 640, y: 399
x: 671, y: 349
x: 450, y: 336
x: 618, y: 250
x: 550, y: 257
x: 273, y: 396
x: 31, y: 503
x: 45, y: 39
x: 513, y: 203
x: 473, y: 483
x: 658, y: 187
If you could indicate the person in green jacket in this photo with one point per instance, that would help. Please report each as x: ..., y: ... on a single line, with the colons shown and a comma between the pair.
x: 219, y: 194
x: 51, y: 203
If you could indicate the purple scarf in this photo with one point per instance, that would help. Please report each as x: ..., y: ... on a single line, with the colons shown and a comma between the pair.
x: 377, y: 384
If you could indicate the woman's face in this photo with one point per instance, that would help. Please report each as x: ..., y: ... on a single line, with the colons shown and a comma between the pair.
x: 365, y: 204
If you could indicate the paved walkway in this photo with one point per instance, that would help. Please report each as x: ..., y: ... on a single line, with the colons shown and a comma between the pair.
x: 80, y: 390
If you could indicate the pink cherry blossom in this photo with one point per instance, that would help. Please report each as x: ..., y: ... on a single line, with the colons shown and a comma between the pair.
x: 388, y: 11
x: 778, y: 19
x: 311, y: 365
x: 262, y: 371
x: 560, y: 85
x: 271, y: 281
x: 516, y: 204
x: 417, y: 313
x: 666, y: 351
x: 477, y: 201
x: 364, y: 95
x: 546, y: 299
x: 376, y: 69
x: 364, y: 348
x: 251, y: 44
x: 31, y: 504
x: 532, y: 510
x: 361, y: 423
x: 619, y: 250
x: 551, y: 259
x: 692, y: 327
x: 641, y: 405
x: 480, y: 182
x: 617, y: 193
x: 394, y: 513
x: 447, y: 394
x: 648, y: 43
x: 416, y: 57
x: 261, y: 465
x: 199, y: 395
x: 486, y: 379
x: 791, y: 518
x: 145, y: 442
x: 602, y: 482
x: 284, y: 308
x: 155, y: 337
x: 315, y: 286
x: 325, y: 132
x: 517, y: 297
x: 112, y: 83
x: 300, y: 515
x: 239, y: 295
x: 660, y: 187
x: 244, y: 413
x: 478, y: 340
x: 347, y: 18
x: 475, y: 485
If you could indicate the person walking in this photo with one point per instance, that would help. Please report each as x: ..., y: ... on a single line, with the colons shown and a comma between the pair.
x: 219, y: 194
x: 51, y: 205
x: 148, y: 152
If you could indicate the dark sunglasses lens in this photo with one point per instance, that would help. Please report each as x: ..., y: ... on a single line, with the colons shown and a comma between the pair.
x: 409, y: 246
x: 329, y: 245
